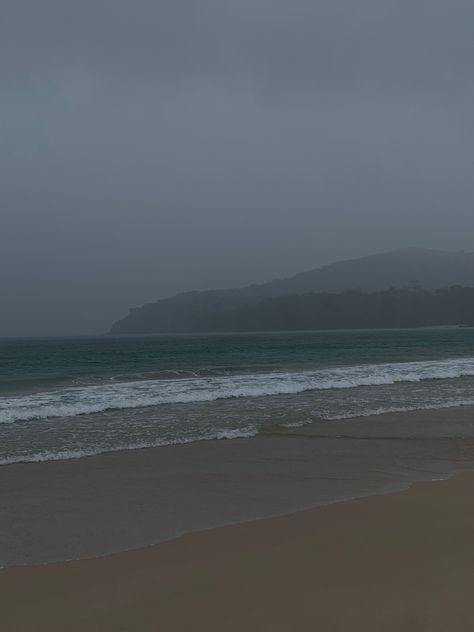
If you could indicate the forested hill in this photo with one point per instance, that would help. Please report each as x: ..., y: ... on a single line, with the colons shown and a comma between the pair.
x: 409, y: 307
x: 195, y: 311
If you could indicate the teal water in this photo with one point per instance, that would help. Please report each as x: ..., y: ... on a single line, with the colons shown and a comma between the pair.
x: 35, y: 364
x: 62, y: 398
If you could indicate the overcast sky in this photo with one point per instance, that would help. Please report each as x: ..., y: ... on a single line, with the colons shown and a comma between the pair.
x: 154, y: 146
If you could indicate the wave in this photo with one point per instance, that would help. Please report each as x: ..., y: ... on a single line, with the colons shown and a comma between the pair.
x: 377, y: 412
x: 83, y: 400
x: 220, y: 434
x: 67, y: 455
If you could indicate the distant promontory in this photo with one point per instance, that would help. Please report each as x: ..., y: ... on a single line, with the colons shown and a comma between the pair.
x: 403, y: 288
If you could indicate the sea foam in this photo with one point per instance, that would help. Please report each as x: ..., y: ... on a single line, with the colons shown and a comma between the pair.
x: 70, y: 402
x: 66, y: 455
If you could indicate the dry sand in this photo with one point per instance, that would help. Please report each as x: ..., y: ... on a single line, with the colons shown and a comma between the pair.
x: 402, y: 561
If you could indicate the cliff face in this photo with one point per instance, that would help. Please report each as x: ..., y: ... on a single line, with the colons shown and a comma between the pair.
x: 243, y: 309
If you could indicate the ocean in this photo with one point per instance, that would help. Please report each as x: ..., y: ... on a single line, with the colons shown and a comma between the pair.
x: 67, y: 398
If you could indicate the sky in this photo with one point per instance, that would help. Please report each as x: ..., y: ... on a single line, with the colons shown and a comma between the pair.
x: 149, y: 147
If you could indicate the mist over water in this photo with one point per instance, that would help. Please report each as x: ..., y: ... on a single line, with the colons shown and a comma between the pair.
x: 66, y: 398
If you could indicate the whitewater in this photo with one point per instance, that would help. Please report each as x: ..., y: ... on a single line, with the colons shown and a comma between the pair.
x: 74, y: 398
x: 70, y: 402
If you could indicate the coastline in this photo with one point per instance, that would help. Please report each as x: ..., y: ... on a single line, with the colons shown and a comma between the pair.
x: 105, y: 504
x: 395, y: 561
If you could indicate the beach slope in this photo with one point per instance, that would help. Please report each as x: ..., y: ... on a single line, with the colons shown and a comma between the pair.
x: 401, y: 561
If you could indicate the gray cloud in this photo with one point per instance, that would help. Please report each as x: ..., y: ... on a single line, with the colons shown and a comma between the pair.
x: 151, y: 147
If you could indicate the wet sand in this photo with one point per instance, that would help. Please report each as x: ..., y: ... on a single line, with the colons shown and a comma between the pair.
x: 402, y: 561
x: 398, y: 561
x: 100, y: 505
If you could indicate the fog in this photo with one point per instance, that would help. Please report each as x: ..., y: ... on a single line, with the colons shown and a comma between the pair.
x: 148, y: 148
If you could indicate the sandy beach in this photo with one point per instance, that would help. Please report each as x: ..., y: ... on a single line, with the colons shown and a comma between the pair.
x: 401, y: 561
x: 83, y: 508
x: 333, y: 527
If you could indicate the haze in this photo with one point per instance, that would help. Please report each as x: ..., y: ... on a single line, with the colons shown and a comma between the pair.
x: 154, y: 147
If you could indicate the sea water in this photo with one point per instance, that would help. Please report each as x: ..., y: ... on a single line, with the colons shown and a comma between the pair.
x: 68, y: 398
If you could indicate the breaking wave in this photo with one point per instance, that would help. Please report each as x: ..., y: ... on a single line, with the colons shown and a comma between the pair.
x: 81, y: 400
x: 66, y: 455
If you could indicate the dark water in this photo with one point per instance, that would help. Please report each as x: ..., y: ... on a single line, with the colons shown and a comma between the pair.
x: 63, y: 398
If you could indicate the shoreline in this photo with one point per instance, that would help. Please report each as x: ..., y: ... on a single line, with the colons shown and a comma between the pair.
x: 228, y: 525
x: 298, y: 429
x: 394, y: 561
x: 122, y: 501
